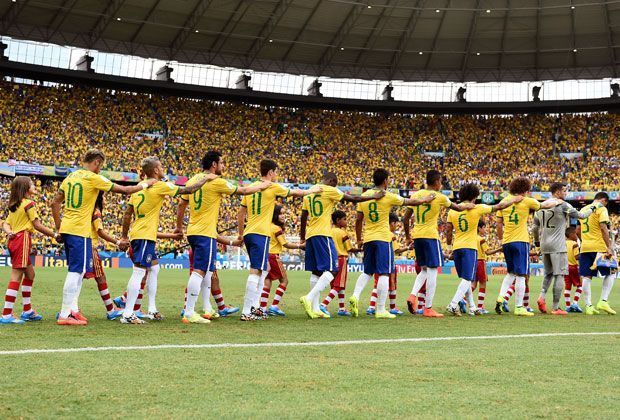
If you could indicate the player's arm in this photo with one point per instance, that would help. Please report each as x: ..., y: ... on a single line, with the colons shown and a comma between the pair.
x: 361, y: 198
x: 130, y: 189
x: 294, y: 246
x: 536, y: 230
x: 253, y: 188
x: 181, y: 215
x: 170, y: 235
x: 500, y: 227
x: 59, y: 198
x: 418, y: 201
x: 504, y: 204
x: 302, y: 225
x: 584, y: 213
x: 606, y: 238
x: 578, y: 231
x: 228, y: 241
x: 7, y: 229
x: 107, y: 237
x: 190, y: 189
x: 550, y: 203
x: 243, y: 211
x: 302, y: 193
x: 449, y: 236
x: 462, y: 206
x: 576, y: 254
x: 359, y: 224
x: 407, y: 225
x: 127, y: 218
x: 399, y: 251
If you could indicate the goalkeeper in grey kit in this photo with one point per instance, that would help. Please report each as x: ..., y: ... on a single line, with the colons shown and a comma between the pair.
x: 549, y: 233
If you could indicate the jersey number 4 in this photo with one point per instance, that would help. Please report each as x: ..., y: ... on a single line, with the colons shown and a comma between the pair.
x: 514, y: 216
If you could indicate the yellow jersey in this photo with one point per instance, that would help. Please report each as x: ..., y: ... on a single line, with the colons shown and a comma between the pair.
x: 377, y: 215
x: 465, y: 223
x: 591, y: 234
x: 204, y: 205
x: 342, y: 241
x: 146, y: 209
x: 260, y: 207
x: 81, y: 189
x: 276, y: 240
x: 23, y: 216
x: 515, y: 219
x: 482, y: 248
x: 425, y: 215
x: 573, y: 250
x: 320, y: 207
x: 96, y: 224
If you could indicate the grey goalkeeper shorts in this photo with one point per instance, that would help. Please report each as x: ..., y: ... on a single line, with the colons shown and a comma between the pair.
x: 556, y: 263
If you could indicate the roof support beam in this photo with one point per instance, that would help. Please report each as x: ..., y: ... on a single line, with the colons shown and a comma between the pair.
x: 472, y: 30
x: 406, y: 36
x: 220, y: 41
x: 610, y: 44
x: 266, y: 31
x: 372, y: 38
x: 340, y: 35
x: 572, y: 36
x: 59, y: 18
x: 500, y: 65
x: 301, y: 31
x: 436, y: 37
x: 188, y: 26
x: 102, y: 23
x: 144, y: 21
x: 537, y: 54
x: 12, y: 14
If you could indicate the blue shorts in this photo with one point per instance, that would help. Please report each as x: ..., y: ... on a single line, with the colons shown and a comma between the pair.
x: 428, y: 252
x: 321, y: 254
x: 586, y: 259
x: 378, y: 258
x: 465, y: 261
x: 258, y: 250
x: 79, y: 252
x: 204, y: 249
x: 143, y: 252
x: 517, y: 255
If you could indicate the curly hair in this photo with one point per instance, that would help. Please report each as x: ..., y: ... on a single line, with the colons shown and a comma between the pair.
x: 519, y: 186
x: 469, y: 192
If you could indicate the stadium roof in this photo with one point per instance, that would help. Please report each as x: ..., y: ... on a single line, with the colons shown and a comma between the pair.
x: 434, y: 40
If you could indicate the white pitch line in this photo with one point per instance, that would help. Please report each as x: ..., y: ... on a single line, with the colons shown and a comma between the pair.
x: 298, y: 344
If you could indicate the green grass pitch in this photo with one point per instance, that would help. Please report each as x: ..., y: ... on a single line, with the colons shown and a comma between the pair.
x: 571, y: 377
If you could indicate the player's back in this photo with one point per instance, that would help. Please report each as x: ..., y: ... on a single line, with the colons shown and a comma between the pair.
x: 552, y: 227
x: 147, y: 206
x: 515, y: 219
x: 320, y: 207
x: 425, y: 216
x: 465, y: 224
x: 81, y: 189
x: 260, y: 206
x: 591, y: 233
x: 204, y: 205
x: 377, y: 215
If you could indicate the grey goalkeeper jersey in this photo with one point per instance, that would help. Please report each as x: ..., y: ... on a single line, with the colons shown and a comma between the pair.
x: 550, y: 226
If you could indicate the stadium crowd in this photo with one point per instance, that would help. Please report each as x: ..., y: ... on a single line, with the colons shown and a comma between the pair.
x: 56, y: 125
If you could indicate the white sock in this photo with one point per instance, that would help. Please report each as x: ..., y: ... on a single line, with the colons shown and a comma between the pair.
x: 75, y: 307
x: 520, y: 290
x: 259, y: 289
x: 608, y: 284
x: 250, y: 291
x: 315, y: 293
x: 419, y: 282
x: 383, y: 285
x: 470, y: 297
x: 361, y: 282
x: 133, y: 290
x: 431, y: 285
x: 461, y: 291
x: 151, y: 287
x: 193, y: 290
x: 206, y: 292
x: 586, y: 290
x: 506, y: 283
x: 68, y: 292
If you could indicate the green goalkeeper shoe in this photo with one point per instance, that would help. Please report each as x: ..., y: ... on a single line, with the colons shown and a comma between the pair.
x: 522, y: 311
x: 591, y: 310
